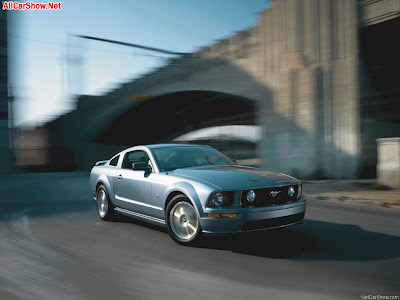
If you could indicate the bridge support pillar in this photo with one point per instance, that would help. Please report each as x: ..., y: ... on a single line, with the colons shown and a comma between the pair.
x: 310, y: 63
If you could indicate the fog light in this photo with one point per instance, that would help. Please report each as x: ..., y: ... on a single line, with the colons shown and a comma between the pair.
x: 251, y: 196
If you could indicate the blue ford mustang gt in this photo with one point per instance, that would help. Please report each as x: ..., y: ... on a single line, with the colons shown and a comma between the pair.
x: 194, y: 191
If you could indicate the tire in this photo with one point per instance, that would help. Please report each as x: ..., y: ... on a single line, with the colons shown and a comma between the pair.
x: 183, y: 224
x: 105, y: 209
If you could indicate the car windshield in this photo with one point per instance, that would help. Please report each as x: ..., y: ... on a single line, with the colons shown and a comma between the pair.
x: 177, y: 157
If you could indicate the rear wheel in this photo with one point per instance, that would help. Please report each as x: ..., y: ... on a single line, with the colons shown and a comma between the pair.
x: 105, y: 209
x: 182, y: 221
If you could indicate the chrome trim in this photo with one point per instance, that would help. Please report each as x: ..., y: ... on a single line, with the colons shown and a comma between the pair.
x: 274, y: 193
x: 146, y: 217
x: 138, y: 203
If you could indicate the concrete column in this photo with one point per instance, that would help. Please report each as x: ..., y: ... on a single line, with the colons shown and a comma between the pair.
x: 315, y: 43
x: 309, y: 29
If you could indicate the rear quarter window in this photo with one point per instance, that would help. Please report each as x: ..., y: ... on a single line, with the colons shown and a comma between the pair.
x: 114, y: 161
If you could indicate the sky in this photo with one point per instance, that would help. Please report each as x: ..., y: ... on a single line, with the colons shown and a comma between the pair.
x: 49, y: 64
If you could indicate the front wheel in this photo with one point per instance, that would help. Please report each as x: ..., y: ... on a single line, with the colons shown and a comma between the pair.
x: 182, y: 221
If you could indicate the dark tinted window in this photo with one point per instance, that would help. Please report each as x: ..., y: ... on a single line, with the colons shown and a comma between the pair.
x: 171, y: 158
x: 134, y: 156
x: 114, y: 161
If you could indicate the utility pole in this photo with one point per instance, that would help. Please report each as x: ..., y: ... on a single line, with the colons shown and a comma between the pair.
x: 74, y: 62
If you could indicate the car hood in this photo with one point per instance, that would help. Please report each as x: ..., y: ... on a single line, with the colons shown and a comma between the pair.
x: 235, y: 177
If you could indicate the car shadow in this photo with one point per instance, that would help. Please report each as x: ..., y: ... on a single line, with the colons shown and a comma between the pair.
x: 311, y: 240
x: 125, y: 219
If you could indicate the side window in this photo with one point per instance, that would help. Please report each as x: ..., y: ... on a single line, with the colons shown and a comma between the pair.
x: 114, y: 161
x: 134, y: 156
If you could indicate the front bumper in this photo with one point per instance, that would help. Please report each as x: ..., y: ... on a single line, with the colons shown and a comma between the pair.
x: 253, y: 218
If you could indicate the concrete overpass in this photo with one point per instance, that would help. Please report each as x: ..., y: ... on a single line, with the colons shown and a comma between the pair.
x: 309, y: 72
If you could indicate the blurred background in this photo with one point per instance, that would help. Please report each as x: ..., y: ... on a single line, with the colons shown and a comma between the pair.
x: 304, y: 87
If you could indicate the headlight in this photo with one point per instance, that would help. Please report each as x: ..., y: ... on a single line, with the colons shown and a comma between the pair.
x: 217, y: 199
x: 221, y: 199
x: 300, y: 191
x: 251, y: 196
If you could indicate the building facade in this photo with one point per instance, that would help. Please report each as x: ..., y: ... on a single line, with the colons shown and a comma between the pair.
x: 6, y: 163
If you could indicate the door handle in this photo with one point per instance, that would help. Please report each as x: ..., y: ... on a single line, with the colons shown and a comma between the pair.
x: 119, y: 176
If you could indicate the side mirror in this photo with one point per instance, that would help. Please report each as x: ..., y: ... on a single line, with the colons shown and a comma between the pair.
x: 141, y: 166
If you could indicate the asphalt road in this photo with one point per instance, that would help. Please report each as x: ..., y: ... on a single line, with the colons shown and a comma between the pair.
x: 54, y: 246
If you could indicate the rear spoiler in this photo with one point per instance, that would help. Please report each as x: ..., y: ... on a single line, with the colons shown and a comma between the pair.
x: 101, y: 162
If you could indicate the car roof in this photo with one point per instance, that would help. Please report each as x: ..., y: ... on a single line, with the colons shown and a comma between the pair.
x: 157, y: 146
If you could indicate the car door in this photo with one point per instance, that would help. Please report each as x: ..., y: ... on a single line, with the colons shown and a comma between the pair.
x: 133, y: 188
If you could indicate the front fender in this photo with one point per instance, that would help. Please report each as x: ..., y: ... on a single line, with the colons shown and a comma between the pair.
x: 197, y: 194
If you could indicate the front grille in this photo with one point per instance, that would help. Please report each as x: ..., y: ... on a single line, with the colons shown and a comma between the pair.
x: 271, y: 223
x: 264, y: 197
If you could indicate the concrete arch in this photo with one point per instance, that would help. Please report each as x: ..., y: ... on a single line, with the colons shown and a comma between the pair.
x: 165, y: 117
